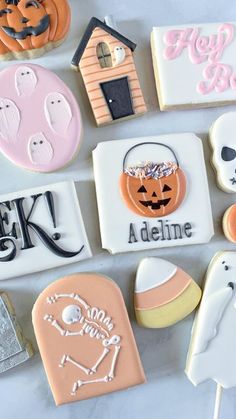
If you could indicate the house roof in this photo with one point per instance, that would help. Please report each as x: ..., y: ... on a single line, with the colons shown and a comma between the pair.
x: 95, y: 23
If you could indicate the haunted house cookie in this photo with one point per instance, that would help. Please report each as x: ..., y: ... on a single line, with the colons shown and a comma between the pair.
x: 152, y: 192
x: 195, y: 65
x: 41, y: 228
x: 28, y: 28
x: 164, y: 294
x: 223, y: 142
x: 85, y: 338
x: 104, y: 58
x: 40, y: 122
x: 14, y: 348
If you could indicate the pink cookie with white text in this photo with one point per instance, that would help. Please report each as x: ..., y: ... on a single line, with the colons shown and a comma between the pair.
x: 204, y: 58
x: 40, y: 122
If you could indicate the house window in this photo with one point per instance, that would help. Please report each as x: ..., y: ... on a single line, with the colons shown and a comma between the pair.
x: 104, y: 55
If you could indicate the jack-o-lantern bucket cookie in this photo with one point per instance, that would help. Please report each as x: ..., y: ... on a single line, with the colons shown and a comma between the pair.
x: 152, y: 185
x: 28, y: 28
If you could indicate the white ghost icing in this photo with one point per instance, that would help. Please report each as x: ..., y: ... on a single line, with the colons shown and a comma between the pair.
x: 223, y: 140
x: 119, y: 53
x: 25, y: 81
x: 39, y: 149
x: 9, y: 120
x: 213, y: 345
x: 58, y: 113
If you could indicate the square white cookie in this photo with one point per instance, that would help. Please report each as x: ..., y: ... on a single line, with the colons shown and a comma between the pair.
x: 41, y: 228
x: 195, y: 65
x: 174, y: 209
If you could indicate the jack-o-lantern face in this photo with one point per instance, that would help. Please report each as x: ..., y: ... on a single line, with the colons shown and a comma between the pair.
x: 153, y: 197
x: 26, y: 25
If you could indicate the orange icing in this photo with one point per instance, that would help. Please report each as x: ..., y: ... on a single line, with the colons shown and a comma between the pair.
x: 164, y: 293
x: 231, y: 223
x: 99, y: 293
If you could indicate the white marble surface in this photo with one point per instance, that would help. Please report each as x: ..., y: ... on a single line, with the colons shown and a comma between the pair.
x: 168, y: 393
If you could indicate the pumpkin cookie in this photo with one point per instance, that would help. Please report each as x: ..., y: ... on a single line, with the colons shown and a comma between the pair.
x: 29, y: 28
x: 152, y: 192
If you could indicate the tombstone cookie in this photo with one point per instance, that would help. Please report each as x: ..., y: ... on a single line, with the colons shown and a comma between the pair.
x: 14, y: 348
x: 85, y: 338
x: 164, y: 294
x: 30, y: 28
x: 104, y: 58
x: 195, y: 65
x: 152, y: 192
x: 41, y: 228
x: 40, y: 122
x: 223, y: 143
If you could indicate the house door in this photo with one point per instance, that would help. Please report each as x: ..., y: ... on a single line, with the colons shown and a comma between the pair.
x: 118, y: 98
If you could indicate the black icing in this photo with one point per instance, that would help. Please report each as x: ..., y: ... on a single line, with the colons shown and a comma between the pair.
x: 3, y: 246
x: 231, y: 285
x: 5, y: 12
x: 51, y: 208
x: 28, y: 30
x: 228, y: 154
x: 12, y: 2
x: 233, y: 180
x: 32, y: 3
x: 155, y: 205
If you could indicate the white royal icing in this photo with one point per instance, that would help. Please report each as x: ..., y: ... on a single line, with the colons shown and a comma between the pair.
x: 213, y: 344
x: 117, y: 220
x: 223, y: 141
x: 195, y: 63
x: 153, y: 272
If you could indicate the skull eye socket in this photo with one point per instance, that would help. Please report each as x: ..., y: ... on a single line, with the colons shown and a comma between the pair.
x: 228, y: 154
x: 142, y: 189
x: 166, y: 188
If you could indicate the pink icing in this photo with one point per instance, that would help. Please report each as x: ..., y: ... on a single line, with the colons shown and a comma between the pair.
x: 220, y: 77
x: 61, y: 130
x: 200, y: 48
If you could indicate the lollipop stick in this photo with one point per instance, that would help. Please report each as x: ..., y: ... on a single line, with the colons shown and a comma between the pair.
x: 219, y: 390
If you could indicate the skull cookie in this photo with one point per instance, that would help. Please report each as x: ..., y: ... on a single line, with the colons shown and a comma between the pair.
x: 223, y: 141
x: 152, y: 188
x: 85, y: 338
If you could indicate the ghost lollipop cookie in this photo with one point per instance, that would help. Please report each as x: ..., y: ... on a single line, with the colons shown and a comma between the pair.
x: 213, y: 343
x: 164, y: 294
x: 85, y: 338
x: 40, y: 122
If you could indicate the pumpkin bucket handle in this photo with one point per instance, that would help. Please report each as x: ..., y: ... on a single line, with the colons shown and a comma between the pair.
x: 150, y: 142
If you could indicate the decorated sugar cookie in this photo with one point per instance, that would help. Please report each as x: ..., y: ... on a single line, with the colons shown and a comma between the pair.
x: 14, y: 348
x: 28, y: 28
x: 213, y: 344
x: 104, y: 58
x: 152, y: 188
x: 223, y: 143
x: 229, y: 223
x: 195, y: 65
x: 164, y: 294
x: 152, y: 192
x: 41, y: 228
x: 40, y: 122
x: 85, y: 338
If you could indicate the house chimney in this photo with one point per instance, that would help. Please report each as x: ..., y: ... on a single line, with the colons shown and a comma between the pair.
x: 110, y: 21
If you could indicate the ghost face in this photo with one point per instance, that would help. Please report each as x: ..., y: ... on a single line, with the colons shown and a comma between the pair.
x: 25, y: 81
x: 39, y: 149
x: 71, y: 314
x: 119, y: 54
x: 58, y: 113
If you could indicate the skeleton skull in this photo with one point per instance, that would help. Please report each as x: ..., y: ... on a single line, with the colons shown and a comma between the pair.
x: 71, y: 314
